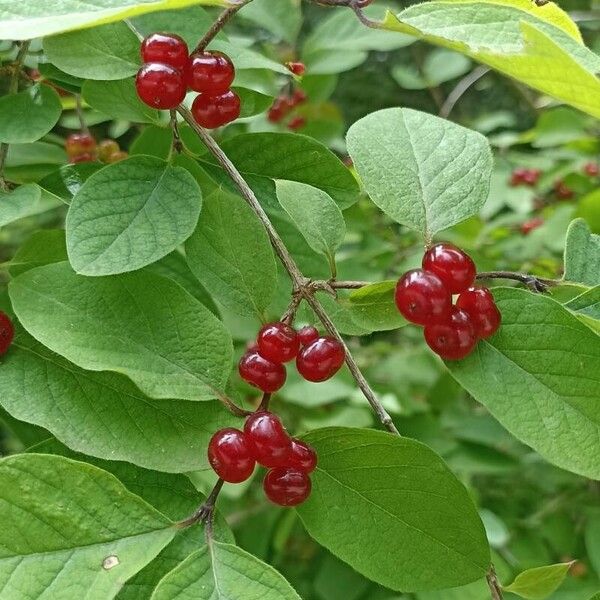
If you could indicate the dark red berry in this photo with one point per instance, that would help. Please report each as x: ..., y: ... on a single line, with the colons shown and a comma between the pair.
x: 297, y: 123
x: 268, y: 439
x: 165, y: 48
x: 321, y: 359
x: 528, y: 226
x: 81, y: 158
x: 531, y: 177
x: 7, y: 333
x: 298, y: 97
x: 210, y: 73
x: 307, y: 335
x: 562, y: 191
x: 592, y: 169
x: 230, y: 456
x: 106, y: 148
x: 80, y: 143
x: 261, y: 372
x: 278, y: 342
x: 481, y: 306
x: 287, y: 486
x: 422, y: 297
x: 516, y: 177
x: 160, y: 86
x: 453, y: 339
x: 275, y: 114
x: 302, y: 456
x: 215, y: 111
x: 453, y: 266
x: 297, y: 68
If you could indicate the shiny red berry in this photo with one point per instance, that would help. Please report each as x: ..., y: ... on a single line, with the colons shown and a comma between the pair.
x: 261, y: 372
x: 422, y: 297
x: 307, y: 335
x: 453, y: 339
x: 321, y: 359
x: 210, y: 73
x: 297, y: 123
x: 80, y: 143
x: 165, y: 48
x: 302, y: 456
x: 7, y: 333
x: 230, y: 456
x: 268, y: 439
x: 528, y: 226
x: 160, y: 86
x: 278, y: 342
x: 592, y: 169
x: 481, y: 306
x: 215, y: 111
x: 287, y: 486
x: 453, y: 266
x: 297, y: 68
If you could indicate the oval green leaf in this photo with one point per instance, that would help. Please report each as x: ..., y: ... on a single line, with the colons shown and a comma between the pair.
x: 540, y: 582
x: 582, y: 254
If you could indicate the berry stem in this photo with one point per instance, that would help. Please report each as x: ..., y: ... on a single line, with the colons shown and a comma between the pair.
x: 79, y: 110
x: 264, y: 404
x: 177, y: 144
x: 205, y: 513
x: 216, y: 27
x: 357, y: 6
x: 233, y: 408
x: 494, y: 584
x: 535, y: 284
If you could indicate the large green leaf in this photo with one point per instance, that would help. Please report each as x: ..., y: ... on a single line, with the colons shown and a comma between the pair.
x: 424, y: 172
x: 540, y: 582
x: 282, y: 18
x: 221, y: 571
x: 42, y: 248
x: 231, y: 255
x: 582, y: 254
x: 390, y: 508
x: 540, y: 377
x: 25, y: 201
x: 139, y: 324
x: 131, y: 214
x: 71, y: 530
x: 587, y: 307
x: 29, y: 115
x: 373, y: 307
x: 539, y: 46
x: 26, y: 20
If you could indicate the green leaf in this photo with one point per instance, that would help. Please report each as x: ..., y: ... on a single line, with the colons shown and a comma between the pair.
x: 85, y: 531
x: 587, y: 307
x: 592, y: 540
x: 539, y: 376
x: 68, y: 180
x: 540, y: 582
x: 131, y: 214
x: 221, y: 571
x: 29, y: 115
x: 119, y: 100
x: 540, y: 46
x: 253, y: 103
x: 231, y: 255
x: 107, y: 52
x: 373, y: 307
x: 139, y: 324
x: 282, y: 18
x: 25, y: 20
x: 424, y: 172
x: 315, y: 214
x: 25, y: 201
x: 42, y: 248
x: 582, y: 254
x: 393, y: 488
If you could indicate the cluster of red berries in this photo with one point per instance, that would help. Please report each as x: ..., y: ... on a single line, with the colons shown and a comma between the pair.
x: 82, y: 147
x: 562, y: 191
x: 284, y: 105
x: 424, y: 297
x: 169, y: 70
x: 522, y: 176
x: 7, y: 333
x: 591, y: 169
x: 318, y: 358
x: 233, y: 454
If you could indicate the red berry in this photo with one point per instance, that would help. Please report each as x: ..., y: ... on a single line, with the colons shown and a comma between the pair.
x: 261, y: 372
x: 531, y: 177
x: 479, y: 303
x: 215, y: 111
x: 302, y: 456
x: 80, y: 143
x: 528, y: 226
x: 210, y: 73
x: 160, y: 86
x: 287, y: 486
x: 267, y: 439
x: 307, y: 335
x: 166, y: 48
x: 321, y: 359
x: 422, y: 297
x: 7, y: 332
x: 297, y: 68
x: 230, y: 456
x: 297, y: 123
x: 278, y: 342
x: 562, y: 191
x: 275, y: 114
x: 518, y: 176
x: 298, y: 97
x: 453, y: 339
x: 453, y: 266
x: 592, y: 169
x: 85, y: 157
x: 106, y: 148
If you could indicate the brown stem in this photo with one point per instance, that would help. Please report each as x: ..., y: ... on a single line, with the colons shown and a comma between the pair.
x: 205, y: 512
x: 177, y: 143
x: 290, y: 314
x: 233, y: 408
x: 535, y: 284
x: 348, y: 285
x: 357, y: 6
x: 264, y: 403
x: 494, y: 584
x: 221, y: 21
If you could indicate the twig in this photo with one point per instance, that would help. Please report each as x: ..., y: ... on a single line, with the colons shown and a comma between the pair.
x: 461, y: 87
x: 13, y: 88
x: 177, y: 143
x: 205, y: 513
x: 348, y: 285
x: 216, y: 27
x: 290, y: 314
x: 264, y: 404
x: 535, y: 284
x: 357, y: 6
x: 79, y: 110
x: 494, y: 584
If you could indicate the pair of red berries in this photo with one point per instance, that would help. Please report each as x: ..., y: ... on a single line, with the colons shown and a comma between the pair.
x: 233, y: 455
x: 424, y: 296
x: 522, y: 176
x: 81, y: 147
x: 7, y: 333
x: 284, y: 105
x: 169, y: 70
x: 318, y: 358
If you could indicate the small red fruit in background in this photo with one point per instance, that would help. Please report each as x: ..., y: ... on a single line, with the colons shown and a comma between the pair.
x: 267, y: 439
x: 591, y: 169
x: 528, y: 226
x: 522, y: 176
x: 320, y: 360
x: 80, y: 143
x: 297, y: 123
x: 307, y: 335
x: 230, y: 456
x: 106, y: 148
x: 299, y: 97
x: 278, y: 342
x: 7, y: 333
x: 452, y: 339
x: 215, y: 111
x: 287, y: 486
x: 479, y: 303
x: 160, y: 86
x: 165, y: 48
x: 81, y: 158
x: 297, y: 68
x: 262, y: 373
x: 562, y: 191
x: 117, y: 156
x: 210, y: 73
x: 422, y: 297
x: 302, y: 456
x: 453, y: 266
